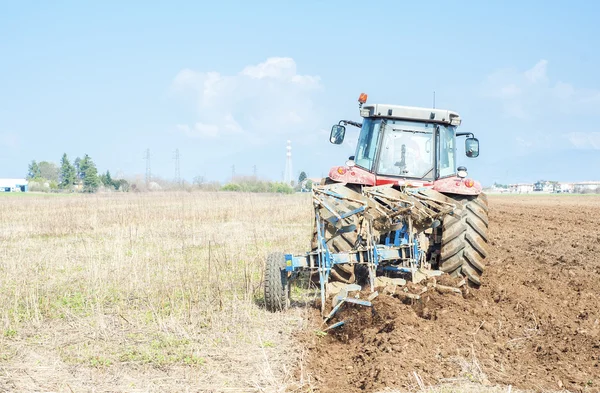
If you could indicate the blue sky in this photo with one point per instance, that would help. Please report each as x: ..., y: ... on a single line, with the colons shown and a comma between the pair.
x: 227, y: 83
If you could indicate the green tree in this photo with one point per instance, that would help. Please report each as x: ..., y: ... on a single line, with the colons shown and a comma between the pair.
x: 33, y: 172
x: 122, y: 185
x: 309, y: 185
x: 67, y: 172
x: 48, y: 171
x: 107, y: 180
x: 77, y: 165
x: 89, y: 174
x: 302, y: 177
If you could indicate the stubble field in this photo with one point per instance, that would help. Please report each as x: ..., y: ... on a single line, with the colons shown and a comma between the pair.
x: 162, y: 292
x: 145, y: 292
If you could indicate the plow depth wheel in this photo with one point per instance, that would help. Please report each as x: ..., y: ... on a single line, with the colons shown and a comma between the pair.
x: 277, y: 286
x: 465, y: 238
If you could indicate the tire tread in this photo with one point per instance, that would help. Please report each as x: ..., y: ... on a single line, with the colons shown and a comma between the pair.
x: 464, y: 246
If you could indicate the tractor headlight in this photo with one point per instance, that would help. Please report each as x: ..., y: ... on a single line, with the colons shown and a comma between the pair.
x: 461, y: 172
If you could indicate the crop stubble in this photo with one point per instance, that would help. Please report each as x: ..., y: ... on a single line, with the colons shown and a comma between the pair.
x: 144, y: 292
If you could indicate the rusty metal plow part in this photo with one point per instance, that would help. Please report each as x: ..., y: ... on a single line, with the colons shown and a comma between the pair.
x: 384, y: 207
x: 436, y: 205
x: 422, y: 209
x: 390, y: 204
x: 335, y: 209
x: 375, y: 225
x: 337, y: 202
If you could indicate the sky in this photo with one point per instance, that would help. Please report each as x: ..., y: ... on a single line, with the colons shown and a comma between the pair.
x: 228, y: 83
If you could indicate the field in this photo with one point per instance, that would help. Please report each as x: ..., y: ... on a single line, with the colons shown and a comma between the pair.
x: 162, y: 292
x: 534, y: 325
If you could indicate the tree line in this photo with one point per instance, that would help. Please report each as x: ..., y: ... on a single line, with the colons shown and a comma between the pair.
x: 253, y: 184
x: 80, y: 175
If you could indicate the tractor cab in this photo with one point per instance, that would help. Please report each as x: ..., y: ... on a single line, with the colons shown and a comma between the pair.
x: 401, y: 143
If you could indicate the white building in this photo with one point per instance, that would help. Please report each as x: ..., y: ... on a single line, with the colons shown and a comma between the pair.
x: 521, y: 188
x: 501, y: 190
x: 545, y: 186
x: 566, y: 187
x: 587, y: 186
x: 13, y: 185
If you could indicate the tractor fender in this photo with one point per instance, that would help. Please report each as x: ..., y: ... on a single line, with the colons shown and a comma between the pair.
x: 457, y: 185
x: 352, y: 175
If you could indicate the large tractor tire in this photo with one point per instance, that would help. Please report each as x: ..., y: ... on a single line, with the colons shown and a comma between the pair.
x: 277, y: 286
x: 340, y: 242
x: 464, y: 244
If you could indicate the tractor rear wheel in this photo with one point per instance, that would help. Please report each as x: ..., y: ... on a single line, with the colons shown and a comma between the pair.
x: 464, y: 244
x: 277, y: 286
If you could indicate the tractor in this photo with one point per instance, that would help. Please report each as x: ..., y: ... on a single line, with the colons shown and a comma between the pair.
x: 399, y: 207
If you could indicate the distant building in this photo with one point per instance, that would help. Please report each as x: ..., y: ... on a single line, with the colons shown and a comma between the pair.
x: 587, y: 186
x: 521, y: 188
x: 13, y: 185
x: 565, y: 187
x: 545, y: 186
x: 499, y: 189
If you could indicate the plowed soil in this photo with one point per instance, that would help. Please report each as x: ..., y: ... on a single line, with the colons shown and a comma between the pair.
x: 533, y: 324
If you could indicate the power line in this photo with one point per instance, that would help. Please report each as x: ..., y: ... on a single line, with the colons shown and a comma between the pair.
x: 232, y: 173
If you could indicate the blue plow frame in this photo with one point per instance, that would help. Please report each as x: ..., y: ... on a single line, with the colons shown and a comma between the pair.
x: 397, y: 254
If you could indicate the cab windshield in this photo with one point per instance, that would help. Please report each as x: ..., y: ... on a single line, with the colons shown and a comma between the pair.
x: 406, y: 149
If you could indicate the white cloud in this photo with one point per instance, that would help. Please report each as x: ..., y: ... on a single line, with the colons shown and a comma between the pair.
x: 585, y: 140
x: 510, y: 90
x: 262, y: 100
x: 203, y: 130
x: 531, y: 95
x: 199, y: 130
x: 521, y: 142
x: 537, y: 73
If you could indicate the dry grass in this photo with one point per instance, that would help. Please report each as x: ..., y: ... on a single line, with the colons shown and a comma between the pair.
x: 152, y: 292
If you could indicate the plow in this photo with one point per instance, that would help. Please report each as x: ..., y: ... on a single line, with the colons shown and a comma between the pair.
x: 399, y: 208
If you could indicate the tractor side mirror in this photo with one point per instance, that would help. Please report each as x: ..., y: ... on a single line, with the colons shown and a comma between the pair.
x: 337, y: 134
x: 472, y: 147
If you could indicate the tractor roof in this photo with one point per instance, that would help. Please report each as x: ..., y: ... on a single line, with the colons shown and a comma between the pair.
x: 411, y: 113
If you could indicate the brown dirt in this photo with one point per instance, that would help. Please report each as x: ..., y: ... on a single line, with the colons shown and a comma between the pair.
x: 533, y: 324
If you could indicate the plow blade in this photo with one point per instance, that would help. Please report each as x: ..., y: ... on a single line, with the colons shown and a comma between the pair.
x: 354, y: 220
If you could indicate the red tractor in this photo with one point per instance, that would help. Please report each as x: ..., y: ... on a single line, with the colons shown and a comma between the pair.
x: 398, y: 205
